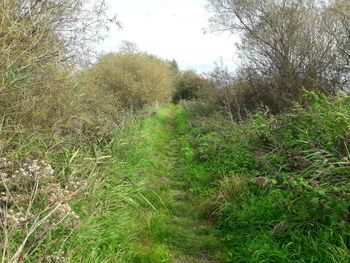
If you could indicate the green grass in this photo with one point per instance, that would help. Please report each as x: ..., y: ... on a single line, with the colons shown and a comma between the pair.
x: 141, y: 210
x: 174, y: 185
x: 303, y: 155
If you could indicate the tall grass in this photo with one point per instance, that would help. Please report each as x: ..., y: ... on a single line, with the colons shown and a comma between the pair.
x: 119, y: 204
x: 278, y: 185
x: 57, y: 133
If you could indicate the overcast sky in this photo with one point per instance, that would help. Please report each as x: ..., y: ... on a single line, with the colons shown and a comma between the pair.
x: 171, y: 29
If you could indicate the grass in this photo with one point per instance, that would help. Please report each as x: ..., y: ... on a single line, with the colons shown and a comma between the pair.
x: 272, y: 183
x: 176, y: 185
x: 141, y: 211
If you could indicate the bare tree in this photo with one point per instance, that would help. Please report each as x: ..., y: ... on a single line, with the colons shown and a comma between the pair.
x: 224, y: 82
x: 283, y: 41
x: 338, y: 27
x: 128, y: 47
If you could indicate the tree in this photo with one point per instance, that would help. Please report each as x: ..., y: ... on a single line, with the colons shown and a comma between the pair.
x: 35, y: 32
x: 188, y: 86
x: 338, y: 26
x: 283, y: 42
x: 128, y: 47
x: 41, y: 42
x: 136, y: 80
x: 223, y: 81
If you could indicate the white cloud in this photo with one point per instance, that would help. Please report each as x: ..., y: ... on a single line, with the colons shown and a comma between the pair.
x: 171, y: 29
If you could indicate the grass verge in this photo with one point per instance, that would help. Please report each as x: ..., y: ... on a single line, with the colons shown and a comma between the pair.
x: 141, y: 210
x: 276, y: 186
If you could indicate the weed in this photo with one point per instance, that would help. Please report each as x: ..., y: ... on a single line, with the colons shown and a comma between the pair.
x: 284, y: 193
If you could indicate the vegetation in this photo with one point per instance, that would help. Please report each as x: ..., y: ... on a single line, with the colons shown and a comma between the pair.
x: 249, y: 166
x: 140, y: 211
x: 277, y: 186
x: 55, y: 129
x: 135, y: 79
x: 287, y: 46
x: 40, y: 45
x: 188, y: 85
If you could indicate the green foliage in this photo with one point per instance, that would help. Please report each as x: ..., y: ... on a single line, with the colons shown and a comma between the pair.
x: 134, y: 214
x: 134, y: 79
x: 278, y: 185
x: 39, y: 46
x: 187, y: 86
x: 151, y: 188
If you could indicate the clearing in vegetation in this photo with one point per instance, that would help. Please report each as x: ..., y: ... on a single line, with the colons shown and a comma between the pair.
x: 184, y: 184
x: 188, y: 186
x: 144, y: 211
x: 251, y: 166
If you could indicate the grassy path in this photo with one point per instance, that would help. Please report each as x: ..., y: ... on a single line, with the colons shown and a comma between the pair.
x: 165, y: 177
x: 179, y: 226
x: 141, y: 211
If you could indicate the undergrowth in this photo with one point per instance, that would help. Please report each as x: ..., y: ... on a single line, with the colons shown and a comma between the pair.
x: 277, y: 186
x: 168, y: 183
x: 44, y: 180
x: 136, y: 212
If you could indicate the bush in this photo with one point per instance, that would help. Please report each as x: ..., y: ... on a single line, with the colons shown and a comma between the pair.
x: 239, y: 94
x: 294, y: 169
x: 188, y: 85
x: 39, y: 44
x: 41, y: 105
x: 136, y: 80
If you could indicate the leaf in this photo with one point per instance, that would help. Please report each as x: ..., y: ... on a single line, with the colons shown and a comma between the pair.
x: 74, y: 155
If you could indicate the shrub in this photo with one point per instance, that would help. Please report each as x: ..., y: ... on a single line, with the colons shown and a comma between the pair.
x: 188, y: 86
x: 135, y: 80
x: 285, y: 193
x: 42, y: 102
x: 39, y: 46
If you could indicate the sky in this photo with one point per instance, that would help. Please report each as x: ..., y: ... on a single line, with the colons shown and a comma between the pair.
x: 171, y: 29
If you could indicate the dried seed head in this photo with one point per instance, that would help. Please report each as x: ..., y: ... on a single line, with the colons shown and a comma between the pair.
x: 280, y: 227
